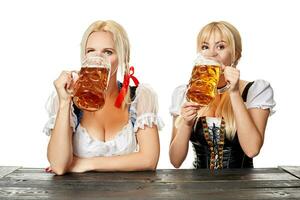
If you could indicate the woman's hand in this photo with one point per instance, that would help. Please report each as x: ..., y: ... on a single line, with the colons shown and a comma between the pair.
x: 232, y: 76
x: 62, y: 84
x: 189, y: 112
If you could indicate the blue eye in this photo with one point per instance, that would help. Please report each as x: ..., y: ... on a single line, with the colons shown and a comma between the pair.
x: 108, y: 52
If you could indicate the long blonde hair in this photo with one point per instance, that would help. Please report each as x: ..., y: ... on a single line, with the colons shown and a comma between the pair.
x: 121, y: 43
x: 231, y: 35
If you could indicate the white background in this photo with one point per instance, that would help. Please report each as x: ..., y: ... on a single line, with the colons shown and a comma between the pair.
x: 39, y: 39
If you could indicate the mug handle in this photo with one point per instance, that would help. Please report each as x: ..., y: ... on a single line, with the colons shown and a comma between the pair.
x: 70, y: 89
x: 225, y: 88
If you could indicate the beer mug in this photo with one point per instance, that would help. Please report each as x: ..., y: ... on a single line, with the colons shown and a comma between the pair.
x: 202, y: 87
x: 93, y: 78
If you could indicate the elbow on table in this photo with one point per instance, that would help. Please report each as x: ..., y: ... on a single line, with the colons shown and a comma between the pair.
x: 59, y: 170
x: 176, y: 164
x: 151, y: 167
x: 252, y: 154
x: 150, y: 163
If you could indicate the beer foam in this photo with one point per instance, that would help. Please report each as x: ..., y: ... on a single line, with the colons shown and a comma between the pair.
x: 200, y: 60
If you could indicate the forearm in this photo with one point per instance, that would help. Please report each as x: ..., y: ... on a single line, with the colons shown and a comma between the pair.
x: 60, y: 151
x: 249, y: 136
x: 132, y: 162
x: 179, y: 145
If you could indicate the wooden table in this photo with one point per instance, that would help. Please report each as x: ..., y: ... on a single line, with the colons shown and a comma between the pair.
x: 270, y: 183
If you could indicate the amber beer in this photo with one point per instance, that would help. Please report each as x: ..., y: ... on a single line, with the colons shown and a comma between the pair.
x: 202, y: 87
x: 90, y: 87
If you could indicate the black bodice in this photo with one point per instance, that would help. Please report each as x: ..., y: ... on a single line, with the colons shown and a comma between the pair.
x: 233, y: 155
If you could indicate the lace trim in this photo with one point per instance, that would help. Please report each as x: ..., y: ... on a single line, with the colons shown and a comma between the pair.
x: 264, y: 107
x: 148, y: 119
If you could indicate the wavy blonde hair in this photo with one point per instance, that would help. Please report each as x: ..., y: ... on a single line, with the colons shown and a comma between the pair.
x: 121, y: 43
x: 232, y: 37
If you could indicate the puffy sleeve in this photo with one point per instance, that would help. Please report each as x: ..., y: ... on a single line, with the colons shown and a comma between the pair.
x: 178, y: 98
x: 52, y: 106
x: 260, y: 95
x: 145, y: 108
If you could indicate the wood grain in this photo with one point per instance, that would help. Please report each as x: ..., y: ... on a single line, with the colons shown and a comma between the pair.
x: 251, y: 184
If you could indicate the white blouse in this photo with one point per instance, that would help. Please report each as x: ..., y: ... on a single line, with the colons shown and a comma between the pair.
x: 143, y: 112
x: 260, y: 95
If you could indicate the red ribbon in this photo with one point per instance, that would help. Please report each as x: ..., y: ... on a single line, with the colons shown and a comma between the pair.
x: 124, y: 88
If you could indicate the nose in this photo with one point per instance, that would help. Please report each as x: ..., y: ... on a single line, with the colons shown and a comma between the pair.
x: 210, y: 53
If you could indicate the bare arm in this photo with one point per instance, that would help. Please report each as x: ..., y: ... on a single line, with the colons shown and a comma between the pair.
x: 251, y: 125
x: 181, y: 135
x: 145, y: 159
x: 179, y: 143
x: 60, y: 151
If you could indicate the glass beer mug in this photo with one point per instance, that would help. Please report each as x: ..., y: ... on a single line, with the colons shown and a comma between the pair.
x: 202, y: 87
x: 93, y: 78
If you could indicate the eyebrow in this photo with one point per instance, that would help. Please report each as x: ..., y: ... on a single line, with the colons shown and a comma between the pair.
x: 108, y: 48
x: 112, y: 49
x: 215, y: 43
x: 220, y: 41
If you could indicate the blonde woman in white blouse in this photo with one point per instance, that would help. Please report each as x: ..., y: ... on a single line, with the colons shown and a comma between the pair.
x: 230, y: 132
x: 110, y: 139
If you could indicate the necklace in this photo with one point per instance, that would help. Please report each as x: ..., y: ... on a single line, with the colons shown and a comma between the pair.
x: 215, y: 140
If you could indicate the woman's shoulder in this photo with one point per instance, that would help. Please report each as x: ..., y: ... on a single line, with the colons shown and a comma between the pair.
x: 261, y: 87
x: 178, y: 98
x: 144, y: 89
x: 144, y: 95
x: 260, y: 83
x: 52, y: 102
x: 181, y: 87
x: 144, y: 108
x: 255, y: 85
x: 179, y: 91
x: 261, y: 95
x: 257, y: 82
